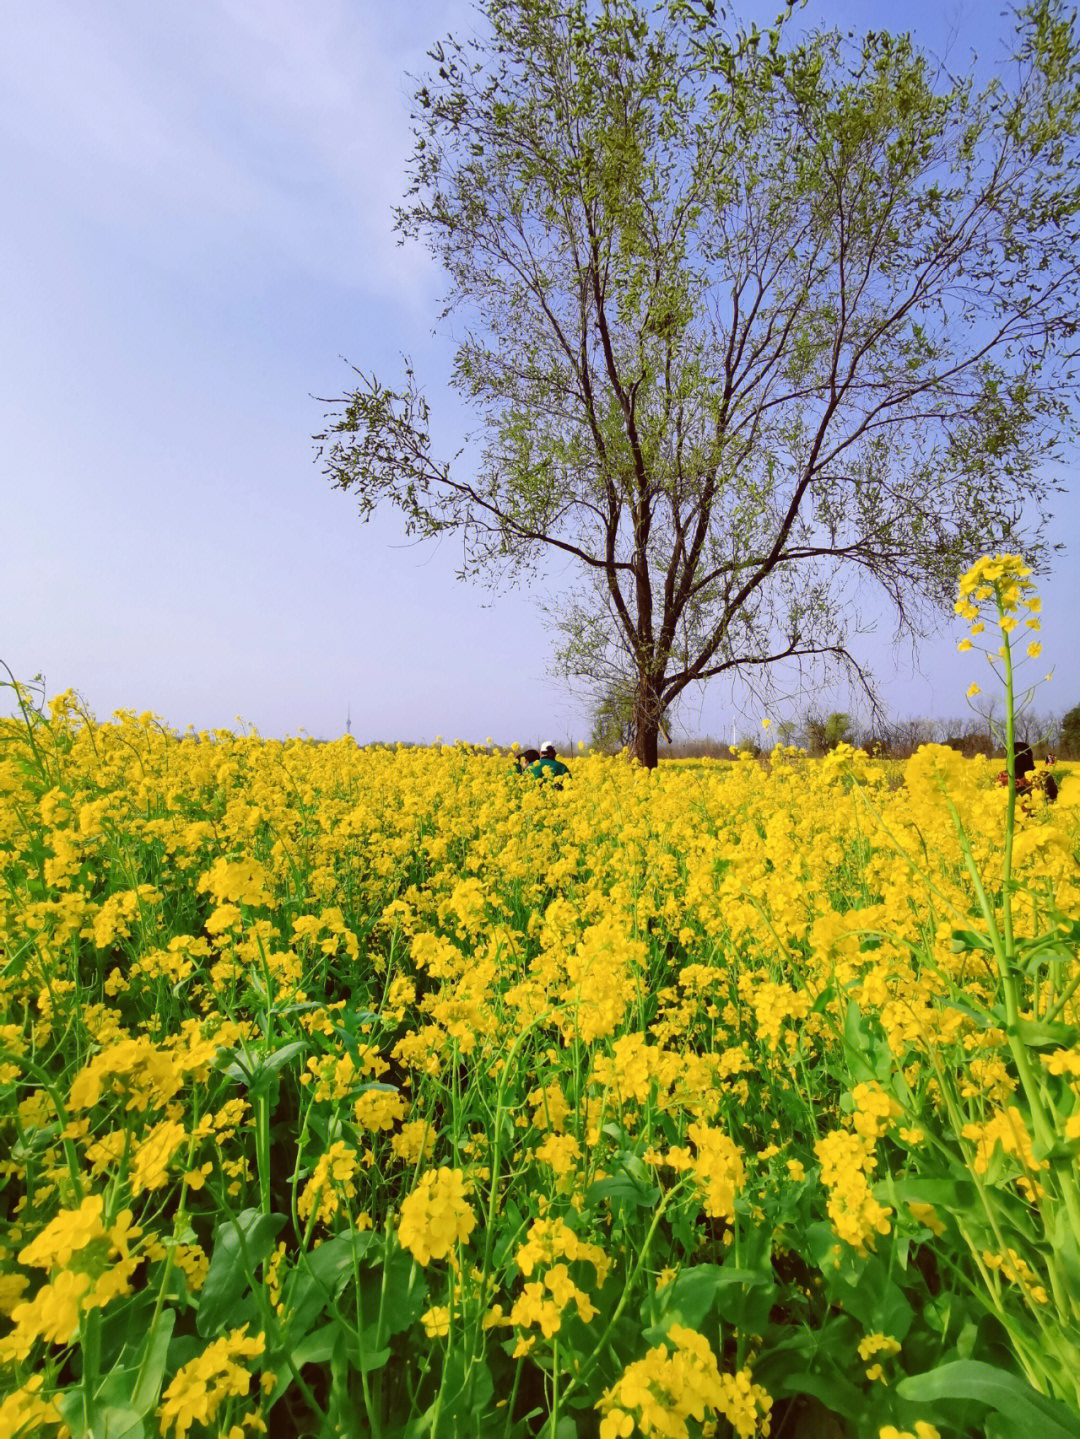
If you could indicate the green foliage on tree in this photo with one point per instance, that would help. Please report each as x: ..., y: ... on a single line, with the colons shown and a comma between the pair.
x: 825, y: 733
x: 815, y: 734
x: 748, y: 744
x: 1069, y: 733
x: 837, y: 729
x: 740, y: 320
x: 613, y: 720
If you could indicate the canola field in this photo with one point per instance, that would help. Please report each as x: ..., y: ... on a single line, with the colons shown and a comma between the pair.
x: 384, y: 1092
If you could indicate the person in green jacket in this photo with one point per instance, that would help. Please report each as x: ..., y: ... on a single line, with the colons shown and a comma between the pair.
x: 549, y: 766
x: 524, y: 760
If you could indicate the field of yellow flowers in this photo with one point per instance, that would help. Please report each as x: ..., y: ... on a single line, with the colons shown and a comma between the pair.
x: 384, y: 1092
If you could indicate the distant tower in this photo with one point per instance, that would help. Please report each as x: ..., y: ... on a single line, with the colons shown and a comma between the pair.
x: 348, y: 721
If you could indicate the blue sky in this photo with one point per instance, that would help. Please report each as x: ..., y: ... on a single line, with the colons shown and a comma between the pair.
x: 197, y: 228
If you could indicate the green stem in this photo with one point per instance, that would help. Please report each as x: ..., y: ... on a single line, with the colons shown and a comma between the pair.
x: 628, y: 1288
x: 512, y: 1400
x: 61, y: 1113
x: 554, y: 1422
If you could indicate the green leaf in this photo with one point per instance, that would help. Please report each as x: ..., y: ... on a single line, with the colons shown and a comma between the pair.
x: 1044, y: 950
x: 978, y: 1017
x: 33, y: 1140
x: 183, y: 1349
x: 686, y: 1300
x: 406, y: 1293
x: 622, y: 1187
x: 879, y: 1304
x: 1066, y: 1250
x: 251, y: 1068
x: 240, y: 1246
x: 467, y: 1389
x: 321, y: 1275
x: 836, y: 1392
x: 392, y: 1297
x: 316, y: 1348
x: 958, y: 1194
x: 1041, y: 1034
x: 106, y: 1421
x: 1023, y: 1408
x: 855, y: 1037
x: 967, y: 939
x: 691, y: 1294
x: 869, y: 1056
x: 129, y: 1393
x: 151, y: 1367
x: 370, y: 1358
x: 823, y: 1000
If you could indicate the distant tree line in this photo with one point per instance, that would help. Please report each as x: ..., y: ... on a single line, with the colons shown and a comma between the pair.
x: 979, y: 733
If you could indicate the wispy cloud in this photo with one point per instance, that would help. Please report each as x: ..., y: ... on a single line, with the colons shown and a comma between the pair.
x: 263, y: 127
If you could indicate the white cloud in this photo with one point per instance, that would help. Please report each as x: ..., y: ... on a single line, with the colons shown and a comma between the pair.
x: 268, y: 128
x: 78, y: 97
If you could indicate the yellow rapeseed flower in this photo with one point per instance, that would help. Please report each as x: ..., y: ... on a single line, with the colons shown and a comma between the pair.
x: 436, y: 1216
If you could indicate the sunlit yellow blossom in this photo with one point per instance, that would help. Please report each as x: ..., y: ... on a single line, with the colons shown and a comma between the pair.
x: 873, y: 1344
x: 678, y: 1381
x: 52, y: 1314
x: 24, y: 1412
x: 332, y: 1181
x: 379, y: 1109
x: 550, y: 1240
x: 151, y: 1160
x: 559, y: 1151
x: 857, y: 1217
x: 436, y: 1216
x: 200, y: 1386
x: 65, y: 1235
x: 1013, y: 1267
x: 926, y: 1214
x: 415, y: 1140
x: 436, y: 1322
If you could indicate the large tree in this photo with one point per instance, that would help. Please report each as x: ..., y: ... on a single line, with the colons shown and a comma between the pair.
x: 751, y: 328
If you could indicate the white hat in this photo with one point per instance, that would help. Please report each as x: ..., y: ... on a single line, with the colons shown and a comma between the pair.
x: 548, y: 744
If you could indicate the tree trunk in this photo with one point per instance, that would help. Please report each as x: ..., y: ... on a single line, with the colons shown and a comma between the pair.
x: 644, y: 748
x: 647, y: 715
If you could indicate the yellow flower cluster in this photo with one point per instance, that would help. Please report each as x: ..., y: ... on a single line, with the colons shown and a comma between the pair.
x: 846, y: 1161
x: 883, y: 1344
x: 681, y: 1381
x: 1004, y: 582
x: 24, y: 1411
x: 331, y: 1184
x: 90, y: 1266
x: 1004, y: 578
x: 436, y: 1216
x: 717, y: 1168
x: 1016, y: 1270
x: 1006, y: 1129
x: 202, y: 1385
